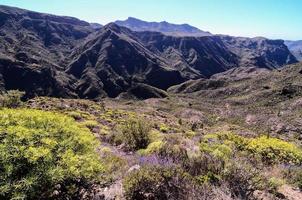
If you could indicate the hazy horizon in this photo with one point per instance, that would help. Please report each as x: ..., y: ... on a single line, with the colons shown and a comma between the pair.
x: 275, y: 19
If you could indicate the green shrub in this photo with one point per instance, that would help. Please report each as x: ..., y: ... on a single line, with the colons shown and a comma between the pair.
x: 39, y: 150
x: 173, y: 149
x: 270, y: 150
x: 153, y: 147
x: 220, y: 151
x: 91, y: 124
x: 158, y: 183
x: 242, y: 178
x: 237, y: 162
x: 164, y: 128
x: 208, y: 178
x: 11, y: 99
x: 134, y: 133
x: 114, y: 165
x: 218, y: 145
x: 74, y: 114
x: 295, y: 176
x: 273, y: 150
x: 274, y: 184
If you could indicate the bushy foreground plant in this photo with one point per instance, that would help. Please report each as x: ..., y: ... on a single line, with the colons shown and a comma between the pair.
x: 274, y: 150
x: 270, y: 150
x: 134, y: 133
x: 295, y: 176
x: 11, y: 99
x: 91, y: 124
x: 243, y: 178
x: 241, y: 161
x: 159, y: 182
x: 41, y: 150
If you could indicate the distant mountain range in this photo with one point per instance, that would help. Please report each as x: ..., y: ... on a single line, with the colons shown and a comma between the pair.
x: 163, y: 27
x: 96, y: 25
x: 50, y: 55
x: 296, y: 48
x: 187, y: 30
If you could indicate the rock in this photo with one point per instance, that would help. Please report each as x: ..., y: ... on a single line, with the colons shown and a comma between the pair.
x: 289, y: 193
x: 133, y: 168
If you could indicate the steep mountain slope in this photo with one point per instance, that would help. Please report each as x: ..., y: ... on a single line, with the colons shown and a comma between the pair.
x: 114, y: 59
x: 259, y: 52
x: 215, y: 54
x: 250, y: 84
x: 34, y: 48
x: 39, y: 38
x: 163, y: 27
x: 296, y: 48
x: 49, y: 55
x: 202, y: 55
x: 96, y: 26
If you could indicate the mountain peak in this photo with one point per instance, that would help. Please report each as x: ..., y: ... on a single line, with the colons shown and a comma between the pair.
x: 112, y: 25
x: 133, y: 19
x: 163, y: 27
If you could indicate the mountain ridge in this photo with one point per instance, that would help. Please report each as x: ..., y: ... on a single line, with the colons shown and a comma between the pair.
x: 82, y: 61
x: 295, y: 47
x: 163, y: 27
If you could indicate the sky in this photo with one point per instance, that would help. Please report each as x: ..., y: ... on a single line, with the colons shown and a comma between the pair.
x: 275, y: 19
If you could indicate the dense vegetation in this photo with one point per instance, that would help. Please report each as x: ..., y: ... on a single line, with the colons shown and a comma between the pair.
x: 44, y: 154
x: 11, y: 99
x: 134, y: 133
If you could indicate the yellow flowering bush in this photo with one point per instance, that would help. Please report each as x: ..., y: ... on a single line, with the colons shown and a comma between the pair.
x: 270, y: 150
x: 275, y: 150
x: 39, y: 150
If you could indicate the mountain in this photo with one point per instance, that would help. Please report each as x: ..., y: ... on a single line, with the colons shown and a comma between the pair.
x: 114, y: 59
x: 218, y: 117
x: 296, y: 48
x: 259, y: 51
x: 214, y: 54
x: 96, y: 25
x: 163, y: 27
x: 50, y: 55
x: 39, y: 36
x: 246, y: 85
x: 194, y: 56
x: 34, y: 51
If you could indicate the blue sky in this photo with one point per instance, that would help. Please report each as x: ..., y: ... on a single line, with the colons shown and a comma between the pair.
x: 269, y: 18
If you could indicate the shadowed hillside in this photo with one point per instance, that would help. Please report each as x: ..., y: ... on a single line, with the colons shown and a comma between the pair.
x: 50, y: 55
